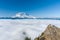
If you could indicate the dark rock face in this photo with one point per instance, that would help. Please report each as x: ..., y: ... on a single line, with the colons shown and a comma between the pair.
x: 51, y: 33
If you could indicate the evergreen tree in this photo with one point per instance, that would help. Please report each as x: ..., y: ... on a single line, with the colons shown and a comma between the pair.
x: 27, y: 38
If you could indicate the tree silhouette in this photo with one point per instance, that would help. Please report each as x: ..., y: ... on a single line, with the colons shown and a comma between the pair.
x: 27, y: 38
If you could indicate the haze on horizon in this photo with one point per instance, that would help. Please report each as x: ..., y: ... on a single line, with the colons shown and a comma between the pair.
x: 38, y: 8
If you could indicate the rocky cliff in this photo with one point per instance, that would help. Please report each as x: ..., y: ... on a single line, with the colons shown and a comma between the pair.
x: 51, y: 33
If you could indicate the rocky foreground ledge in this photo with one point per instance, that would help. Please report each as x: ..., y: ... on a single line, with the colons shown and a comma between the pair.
x: 51, y: 33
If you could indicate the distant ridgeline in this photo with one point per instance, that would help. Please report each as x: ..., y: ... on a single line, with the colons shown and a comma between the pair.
x: 15, y: 18
x: 27, y: 18
x: 23, y: 15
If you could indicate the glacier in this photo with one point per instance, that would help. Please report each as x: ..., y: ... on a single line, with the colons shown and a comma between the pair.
x: 13, y: 29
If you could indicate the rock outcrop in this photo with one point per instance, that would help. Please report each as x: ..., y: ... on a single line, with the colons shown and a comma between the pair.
x: 51, y: 33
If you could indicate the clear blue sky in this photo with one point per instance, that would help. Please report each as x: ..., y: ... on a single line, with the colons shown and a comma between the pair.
x: 38, y: 8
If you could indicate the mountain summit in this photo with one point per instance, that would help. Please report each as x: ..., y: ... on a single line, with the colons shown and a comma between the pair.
x: 51, y: 33
x: 23, y: 15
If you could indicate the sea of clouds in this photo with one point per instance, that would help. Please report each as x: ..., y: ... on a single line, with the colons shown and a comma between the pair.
x: 14, y: 29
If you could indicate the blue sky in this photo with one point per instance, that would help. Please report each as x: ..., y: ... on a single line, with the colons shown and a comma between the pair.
x: 38, y: 8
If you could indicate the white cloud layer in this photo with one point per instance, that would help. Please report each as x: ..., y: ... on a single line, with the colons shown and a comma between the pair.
x: 13, y: 29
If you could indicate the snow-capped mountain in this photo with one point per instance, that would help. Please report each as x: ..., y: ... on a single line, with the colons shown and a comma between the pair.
x: 19, y: 15
x: 23, y: 15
